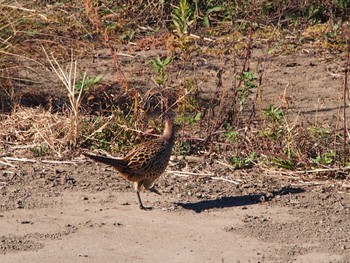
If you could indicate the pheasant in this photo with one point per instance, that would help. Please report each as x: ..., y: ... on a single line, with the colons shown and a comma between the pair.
x: 143, y: 164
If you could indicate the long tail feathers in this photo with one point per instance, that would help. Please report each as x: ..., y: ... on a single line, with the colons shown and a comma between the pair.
x: 119, y: 163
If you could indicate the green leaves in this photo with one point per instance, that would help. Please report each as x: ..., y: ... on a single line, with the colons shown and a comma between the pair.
x: 273, y: 114
x: 182, y: 17
x: 160, y: 68
x: 88, y: 82
x: 249, y: 82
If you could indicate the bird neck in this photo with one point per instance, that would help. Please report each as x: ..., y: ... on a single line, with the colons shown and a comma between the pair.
x: 169, y: 132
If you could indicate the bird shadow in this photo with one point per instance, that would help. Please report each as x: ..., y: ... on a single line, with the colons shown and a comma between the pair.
x: 232, y: 201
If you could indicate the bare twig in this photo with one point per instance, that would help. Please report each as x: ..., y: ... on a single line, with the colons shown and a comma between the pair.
x: 226, y: 165
x: 125, y: 55
x: 225, y: 180
x: 345, y: 98
x: 181, y: 173
x: 59, y: 162
x: 19, y: 8
x: 99, y: 129
x: 20, y: 159
x: 192, y: 159
x: 321, y: 170
x: 8, y: 164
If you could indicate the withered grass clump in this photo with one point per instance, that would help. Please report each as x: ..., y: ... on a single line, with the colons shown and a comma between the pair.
x: 34, y: 126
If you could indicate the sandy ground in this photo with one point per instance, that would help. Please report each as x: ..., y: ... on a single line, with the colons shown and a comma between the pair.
x: 82, y: 212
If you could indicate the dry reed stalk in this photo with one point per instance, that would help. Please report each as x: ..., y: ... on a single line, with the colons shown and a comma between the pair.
x: 68, y: 79
x: 345, y: 99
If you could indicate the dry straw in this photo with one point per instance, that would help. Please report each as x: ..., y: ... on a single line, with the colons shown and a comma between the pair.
x: 34, y: 126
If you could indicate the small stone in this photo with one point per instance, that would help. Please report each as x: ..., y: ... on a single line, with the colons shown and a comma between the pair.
x: 26, y: 222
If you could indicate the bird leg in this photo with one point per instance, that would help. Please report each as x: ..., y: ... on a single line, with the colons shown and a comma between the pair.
x: 137, y: 189
x: 140, y: 202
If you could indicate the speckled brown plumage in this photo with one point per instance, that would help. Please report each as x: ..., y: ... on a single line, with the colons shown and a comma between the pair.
x: 144, y: 163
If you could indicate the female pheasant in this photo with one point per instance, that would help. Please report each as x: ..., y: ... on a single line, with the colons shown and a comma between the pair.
x: 144, y: 163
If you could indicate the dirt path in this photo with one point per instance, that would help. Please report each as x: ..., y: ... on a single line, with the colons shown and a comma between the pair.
x: 84, y: 213
x: 104, y: 230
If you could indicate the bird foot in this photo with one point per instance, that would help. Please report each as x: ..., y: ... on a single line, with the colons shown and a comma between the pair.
x: 146, y: 208
x: 154, y: 190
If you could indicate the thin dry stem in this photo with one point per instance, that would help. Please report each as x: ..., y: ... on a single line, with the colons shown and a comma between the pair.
x: 68, y: 79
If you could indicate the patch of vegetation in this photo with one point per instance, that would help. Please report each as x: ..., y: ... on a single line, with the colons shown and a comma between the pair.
x: 160, y: 67
x: 243, y: 162
x: 248, y: 85
x: 229, y: 121
x: 40, y: 151
x: 87, y: 82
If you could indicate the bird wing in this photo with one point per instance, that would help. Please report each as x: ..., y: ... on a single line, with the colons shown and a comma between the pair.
x: 141, y: 157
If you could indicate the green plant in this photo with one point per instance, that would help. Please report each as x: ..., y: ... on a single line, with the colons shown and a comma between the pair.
x: 193, y: 119
x: 274, y: 117
x: 114, y: 133
x: 247, y: 162
x: 128, y: 35
x: 249, y: 82
x: 184, y: 148
x: 231, y: 135
x: 317, y: 132
x: 87, y: 83
x: 160, y: 68
x: 217, y: 10
x: 273, y: 114
x: 182, y: 17
x: 326, y: 158
x: 284, y: 163
x: 40, y: 151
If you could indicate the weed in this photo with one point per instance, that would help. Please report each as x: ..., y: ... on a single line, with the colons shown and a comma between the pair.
x: 182, y: 18
x: 287, y: 164
x: 326, y: 158
x: 185, y: 118
x: 317, y: 132
x: 160, y: 68
x: 40, y: 151
x: 87, y: 83
x: 249, y: 82
x: 188, y: 105
x: 273, y: 114
x: 216, y: 11
x: 231, y: 135
x: 184, y: 148
x: 128, y: 35
x: 240, y: 163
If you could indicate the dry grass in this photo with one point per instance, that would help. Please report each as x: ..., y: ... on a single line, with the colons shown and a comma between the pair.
x: 30, y: 127
x: 68, y: 78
